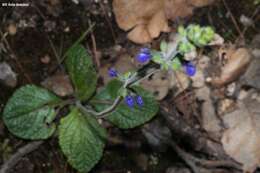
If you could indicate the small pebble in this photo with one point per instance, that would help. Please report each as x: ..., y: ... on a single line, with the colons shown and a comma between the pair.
x: 242, y: 94
x: 12, y: 29
x: 231, y: 89
x: 246, y: 21
x: 45, y: 59
x: 67, y: 29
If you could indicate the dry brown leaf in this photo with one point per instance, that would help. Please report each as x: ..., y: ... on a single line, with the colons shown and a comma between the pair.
x: 201, y: 3
x: 59, y: 83
x: 242, y: 140
x: 12, y: 29
x: 237, y: 63
x: 217, y: 41
x: 161, y: 82
x: 157, y: 24
x: 122, y: 65
x: 175, y: 9
x: 134, y: 35
x: 148, y: 18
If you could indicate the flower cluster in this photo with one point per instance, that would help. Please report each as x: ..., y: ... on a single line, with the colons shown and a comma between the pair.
x: 131, y: 100
x: 144, y: 55
x: 171, y: 56
x: 112, y: 72
x: 190, y: 69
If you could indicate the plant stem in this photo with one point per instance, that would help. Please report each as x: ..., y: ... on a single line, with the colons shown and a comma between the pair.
x: 145, y: 77
x: 102, y: 113
x: 132, y: 80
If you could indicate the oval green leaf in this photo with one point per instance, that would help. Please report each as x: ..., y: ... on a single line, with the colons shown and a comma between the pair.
x: 82, y: 140
x: 81, y: 71
x: 123, y: 116
x: 26, y: 112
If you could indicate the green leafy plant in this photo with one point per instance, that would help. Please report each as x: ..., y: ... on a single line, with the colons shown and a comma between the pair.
x: 31, y: 112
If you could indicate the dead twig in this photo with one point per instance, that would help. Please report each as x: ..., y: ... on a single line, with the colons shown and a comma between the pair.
x: 192, y: 161
x: 198, y: 164
x: 21, y: 152
x: 175, y: 123
x: 187, y: 158
x: 55, y: 52
x: 233, y: 20
x: 219, y: 163
x: 94, y: 47
x: 109, y: 22
x: 252, y: 17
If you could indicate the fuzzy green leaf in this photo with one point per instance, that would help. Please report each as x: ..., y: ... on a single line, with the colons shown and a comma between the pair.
x: 176, y: 63
x: 163, y: 46
x: 29, y: 111
x: 157, y: 57
x: 82, y: 140
x: 81, y: 71
x: 123, y: 116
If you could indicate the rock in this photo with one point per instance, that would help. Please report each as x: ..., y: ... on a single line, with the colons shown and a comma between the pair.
x: 242, y: 138
x: 230, y: 90
x: 210, y: 121
x: 7, y: 76
x: 242, y: 94
x: 225, y: 105
x: 198, y: 80
x: 252, y: 75
x: 202, y: 93
x: 75, y: 1
x: 256, y: 53
x: 246, y: 21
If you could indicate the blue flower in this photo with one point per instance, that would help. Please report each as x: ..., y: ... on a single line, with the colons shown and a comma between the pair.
x: 144, y: 55
x: 139, y: 100
x: 190, y: 69
x: 129, y: 100
x: 112, y: 72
